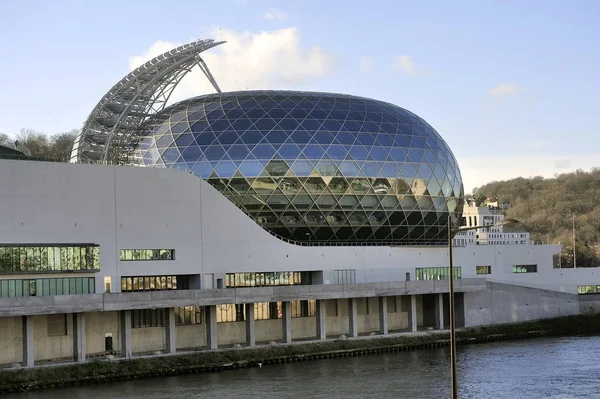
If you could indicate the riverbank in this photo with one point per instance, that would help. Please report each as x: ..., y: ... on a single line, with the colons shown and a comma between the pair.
x: 100, y: 371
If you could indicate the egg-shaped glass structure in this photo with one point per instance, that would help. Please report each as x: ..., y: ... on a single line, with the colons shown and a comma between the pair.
x: 317, y: 168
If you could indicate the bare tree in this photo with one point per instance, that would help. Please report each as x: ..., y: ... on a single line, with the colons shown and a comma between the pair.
x: 32, y: 143
x: 4, y: 139
x: 61, y: 145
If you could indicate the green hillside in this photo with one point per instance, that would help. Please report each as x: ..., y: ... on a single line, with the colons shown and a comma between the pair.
x: 546, y: 207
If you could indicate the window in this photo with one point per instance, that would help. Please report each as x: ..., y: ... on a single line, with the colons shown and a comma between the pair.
x: 48, y: 287
x: 267, y: 279
x: 188, y: 315
x: 588, y: 289
x: 230, y: 312
x: 436, y: 273
x: 303, y: 308
x: 146, y: 254
x: 107, y: 284
x: 525, y: 269
x: 59, y: 258
x: 154, y: 283
x: 143, y: 318
x: 483, y: 270
x: 57, y: 324
x: 267, y: 310
x: 347, y: 276
x: 264, y: 311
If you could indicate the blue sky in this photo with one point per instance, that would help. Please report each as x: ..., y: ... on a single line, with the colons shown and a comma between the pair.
x: 513, y: 86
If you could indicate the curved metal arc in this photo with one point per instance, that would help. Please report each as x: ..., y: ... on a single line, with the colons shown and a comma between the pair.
x: 125, y: 113
x: 166, y: 90
x: 157, y: 68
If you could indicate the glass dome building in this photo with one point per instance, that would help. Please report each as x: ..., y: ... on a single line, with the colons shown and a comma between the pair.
x: 316, y: 168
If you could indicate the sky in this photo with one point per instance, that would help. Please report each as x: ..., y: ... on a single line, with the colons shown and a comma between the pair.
x: 511, y: 85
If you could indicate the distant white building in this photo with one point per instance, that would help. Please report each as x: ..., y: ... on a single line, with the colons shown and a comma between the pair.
x: 487, y: 215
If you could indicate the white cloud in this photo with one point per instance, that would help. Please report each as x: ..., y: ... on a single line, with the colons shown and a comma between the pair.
x: 503, y: 90
x: 477, y: 171
x: 274, y: 14
x: 366, y: 65
x: 405, y: 64
x: 265, y: 60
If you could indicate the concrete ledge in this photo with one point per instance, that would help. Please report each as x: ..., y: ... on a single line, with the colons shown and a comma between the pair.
x: 20, y: 306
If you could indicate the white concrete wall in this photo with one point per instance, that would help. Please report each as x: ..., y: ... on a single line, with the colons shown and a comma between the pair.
x: 11, y: 343
x: 129, y: 207
x: 268, y: 330
x: 191, y: 336
x: 304, y: 327
x: 148, y: 339
x: 231, y: 333
x: 97, y: 325
x: 502, y: 303
x: 52, y: 347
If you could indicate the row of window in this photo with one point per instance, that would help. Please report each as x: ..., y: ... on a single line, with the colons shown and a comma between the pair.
x: 264, y: 311
x: 190, y: 315
x: 524, y: 269
x: 344, y: 276
x: 154, y: 283
x: 441, y: 273
x: 436, y: 273
x: 266, y: 279
x: 146, y: 254
x: 25, y: 258
x: 47, y: 287
x: 588, y: 289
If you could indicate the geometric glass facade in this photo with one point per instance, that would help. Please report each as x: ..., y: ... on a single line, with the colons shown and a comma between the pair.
x: 316, y: 168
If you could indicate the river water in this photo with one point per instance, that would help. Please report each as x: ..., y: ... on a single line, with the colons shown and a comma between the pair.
x: 541, y: 368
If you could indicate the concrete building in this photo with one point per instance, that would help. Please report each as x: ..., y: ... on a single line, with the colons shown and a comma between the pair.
x: 107, y: 259
x: 259, y: 217
x: 489, y: 214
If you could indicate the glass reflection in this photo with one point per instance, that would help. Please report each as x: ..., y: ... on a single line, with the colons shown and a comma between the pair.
x: 19, y: 259
x: 326, y: 162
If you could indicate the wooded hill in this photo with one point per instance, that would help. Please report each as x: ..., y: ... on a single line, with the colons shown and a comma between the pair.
x: 546, y: 207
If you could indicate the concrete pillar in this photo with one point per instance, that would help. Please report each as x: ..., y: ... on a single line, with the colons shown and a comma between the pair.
x: 287, y: 322
x: 412, y: 314
x: 28, y: 341
x: 383, y: 315
x: 320, y: 316
x: 352, y: 312
x: 79, y: 344
x: 439, y: 311
x: 126, y: 347
x: 171, y: 332
x: 212, y: 340
x: 250, y: 334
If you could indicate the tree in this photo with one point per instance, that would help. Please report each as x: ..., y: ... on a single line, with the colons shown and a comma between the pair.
x: 4, y: 139
x: 62, y: 144
x: 57, y: 147
x: 546, y: 208
x: 36, y: 143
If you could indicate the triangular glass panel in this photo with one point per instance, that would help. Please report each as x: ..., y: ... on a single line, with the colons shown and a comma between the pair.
x: 276, y: 168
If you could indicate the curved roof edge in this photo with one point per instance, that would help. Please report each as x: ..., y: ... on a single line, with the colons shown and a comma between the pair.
x: 109, y: 133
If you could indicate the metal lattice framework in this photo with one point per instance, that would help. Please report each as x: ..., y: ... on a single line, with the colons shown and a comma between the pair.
x: 318, y: 168
x: 110, y: 134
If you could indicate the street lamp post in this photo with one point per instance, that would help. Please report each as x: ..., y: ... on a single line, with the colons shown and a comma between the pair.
x: 451, y: 293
